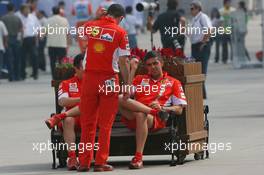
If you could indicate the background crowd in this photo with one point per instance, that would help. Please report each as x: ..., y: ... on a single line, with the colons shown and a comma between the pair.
x: 22, y: 47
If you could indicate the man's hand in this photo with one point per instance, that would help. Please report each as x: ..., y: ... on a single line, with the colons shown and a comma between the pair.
x: 134, y: 63
x: 126, y: 96
x: 155, y: 105
x: 100, y: 12
x: 149, y: 23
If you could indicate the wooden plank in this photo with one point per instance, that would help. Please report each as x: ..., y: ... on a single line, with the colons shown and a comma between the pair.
x: 196, y: 146
x: 195, y: 136
x: 194, y: 78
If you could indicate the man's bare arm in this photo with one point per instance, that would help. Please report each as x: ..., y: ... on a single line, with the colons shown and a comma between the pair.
x: 69, y: 102
x: 124, y: 68
x: 133, y: 65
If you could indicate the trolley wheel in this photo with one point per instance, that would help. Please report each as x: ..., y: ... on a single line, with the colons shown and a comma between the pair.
x: 199, y: 155
x: 173, y: 163
x: 180, y: 158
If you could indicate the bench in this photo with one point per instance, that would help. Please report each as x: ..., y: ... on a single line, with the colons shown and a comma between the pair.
x: 191, y: 126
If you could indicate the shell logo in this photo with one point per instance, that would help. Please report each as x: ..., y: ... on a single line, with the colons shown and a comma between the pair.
x: 99, y: 47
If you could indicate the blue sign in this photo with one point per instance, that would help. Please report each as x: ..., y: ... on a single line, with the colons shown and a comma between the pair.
x: 3, y: 4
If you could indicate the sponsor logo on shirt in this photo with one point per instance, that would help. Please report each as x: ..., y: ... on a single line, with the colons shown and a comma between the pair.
x: 104, y: 34
x: 99, y: 47
x: 107, y: 35
x: 73, y: 87
x: 95, y: 31
x: 168, y: 84
x: 145, y: 82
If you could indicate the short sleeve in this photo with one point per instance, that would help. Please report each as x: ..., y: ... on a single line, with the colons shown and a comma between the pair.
x: 178, y: 96
x: 206, y: 22
x: 63, y: 90
x: 124, y: 49
x: 5, y: 32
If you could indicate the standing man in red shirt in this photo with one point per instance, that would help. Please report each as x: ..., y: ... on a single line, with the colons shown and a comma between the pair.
x: 107, y: 50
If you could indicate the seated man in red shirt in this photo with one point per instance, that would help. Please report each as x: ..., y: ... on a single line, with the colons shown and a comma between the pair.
x: 68, y: 97
x: 160, y: 92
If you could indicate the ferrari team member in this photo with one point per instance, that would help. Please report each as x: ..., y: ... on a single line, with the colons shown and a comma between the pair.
x: 107, y: 50
x: 168, y: 97
x: 69, y: 96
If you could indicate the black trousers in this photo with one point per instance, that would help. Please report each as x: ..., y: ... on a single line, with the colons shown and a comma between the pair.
x: 14, y: 58
x: 41, y: 49
x: 226, y: 40
x: 29, y: 50
x: 201, y: 53
x: 56, y: 54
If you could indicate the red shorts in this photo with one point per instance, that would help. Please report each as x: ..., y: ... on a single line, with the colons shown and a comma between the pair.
x: 157, y: 124
x: 77, y: 124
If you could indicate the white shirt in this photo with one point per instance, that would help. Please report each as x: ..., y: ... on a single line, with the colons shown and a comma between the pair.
x: 203, y: 22
x: 129, y: 24
x: 30, y: 25
x: 57, y: 28
x: 3, y: 33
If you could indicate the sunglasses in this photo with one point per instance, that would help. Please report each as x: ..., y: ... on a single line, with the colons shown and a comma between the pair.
x: 192, y: 8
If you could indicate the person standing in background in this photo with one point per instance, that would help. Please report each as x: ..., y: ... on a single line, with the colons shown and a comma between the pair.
x: 200, y: 42
x: 216, y: 22
x: 244, y: 30
x: 14, y: 27
x: 239, y: 20
x: 129, y: 23
x: 226, y: 37
x: 3, y: 43
x: 29, y: 43
x: 140, y: 17
x: 168, y: 19
x: 42, y: 41
x: 33, y: 6
x: 57, y: 43
x: 61, y: 6
x: 82, y: 9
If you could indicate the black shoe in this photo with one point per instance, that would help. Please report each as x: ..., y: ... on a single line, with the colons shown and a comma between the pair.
x: 164, y: 116
x: 35, y: 77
